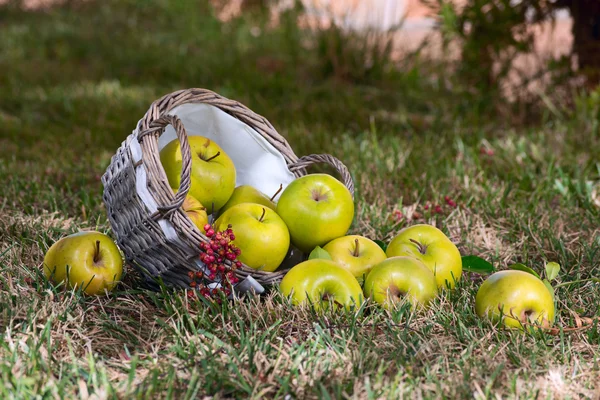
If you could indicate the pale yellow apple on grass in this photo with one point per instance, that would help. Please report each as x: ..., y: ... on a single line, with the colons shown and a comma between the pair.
x: 212, y: 174
x: 248, y: 194
x: 260, y: 234
x: 89, y: 259
x: 317, y: 208
x: 399, y: 279
x: 431, y: 246
x: 515, y: 298
x: 321, y: 283
x: 357, y: 254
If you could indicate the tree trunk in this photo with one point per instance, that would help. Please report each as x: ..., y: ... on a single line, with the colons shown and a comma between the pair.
x: 586, y: 37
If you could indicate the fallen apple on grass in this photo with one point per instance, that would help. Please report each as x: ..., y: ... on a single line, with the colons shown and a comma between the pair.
x: 212, y: 173
x: 400, y: 279
x: 320, y: 283
x: 357, y: 254
x: 260, y: 234
x: 317, y: 208
x: 89, y: 260
x: 515, y: 298
x: 431, y: 246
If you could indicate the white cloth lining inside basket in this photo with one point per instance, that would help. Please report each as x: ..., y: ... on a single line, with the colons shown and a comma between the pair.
x: 258, y: 163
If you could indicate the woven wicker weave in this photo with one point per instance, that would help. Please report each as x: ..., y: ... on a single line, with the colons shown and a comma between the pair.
x: 140, y: 232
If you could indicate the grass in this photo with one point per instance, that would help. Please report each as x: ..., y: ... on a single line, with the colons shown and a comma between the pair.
x: 76, y: 79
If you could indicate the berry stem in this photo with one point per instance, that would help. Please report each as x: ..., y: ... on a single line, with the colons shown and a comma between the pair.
x: 422, y: 248
x: 262, y: 215
x: 356, y: 248
x: 213, y: 157
x: 277, y: 192
x: 97, y: 252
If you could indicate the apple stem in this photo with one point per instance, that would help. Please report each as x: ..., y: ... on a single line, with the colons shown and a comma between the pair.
x: 262, y: 215
x: 213, y: 157
x: 327, y: 297
x: 422, y: 248
x: 277, y: 192
x: 526, y: 314
x: 356, y: 248
x: 97, y: 252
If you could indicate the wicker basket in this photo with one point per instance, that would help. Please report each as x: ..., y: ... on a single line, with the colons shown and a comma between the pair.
x: 150, y: 226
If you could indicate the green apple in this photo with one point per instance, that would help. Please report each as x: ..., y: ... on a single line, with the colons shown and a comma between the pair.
x: 195, y: 211
x: 320, y: 282
x: 515, y: 297
x: 401, y: 279
x: 357, y: 254
x: 433, y: 248
x: 88, y: 259
x: 212, y: 174
x: 259, y: 233
x: 317, y: 208
x: 247, y: 194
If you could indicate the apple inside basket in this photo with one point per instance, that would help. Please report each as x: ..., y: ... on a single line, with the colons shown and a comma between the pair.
x: 257, y: 162
x: 146, y: 215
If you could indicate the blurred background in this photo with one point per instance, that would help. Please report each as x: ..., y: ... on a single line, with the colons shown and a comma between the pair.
x: 497, y: 55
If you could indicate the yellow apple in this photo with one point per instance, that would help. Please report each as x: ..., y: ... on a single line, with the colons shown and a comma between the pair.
x: 317, y: 208
x: 320, y: 282
x: 195, y: 211
x: 212, y: 175
x: 259, y: 233
x: 431, y: 246
x: 357, y: 254
x: 515, y: 297
x: 89, y: 259
x: 401, y: 279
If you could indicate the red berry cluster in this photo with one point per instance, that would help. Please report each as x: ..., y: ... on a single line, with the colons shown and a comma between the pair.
x: 486, y: 151
x: 428, y: 208
x: 215, y: 253
x: 397, y: 214
x: 437, y: 209
x: 450, y: 202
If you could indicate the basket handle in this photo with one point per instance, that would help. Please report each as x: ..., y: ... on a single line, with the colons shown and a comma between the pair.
x: 160, y: 124
x: 309, y: 160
